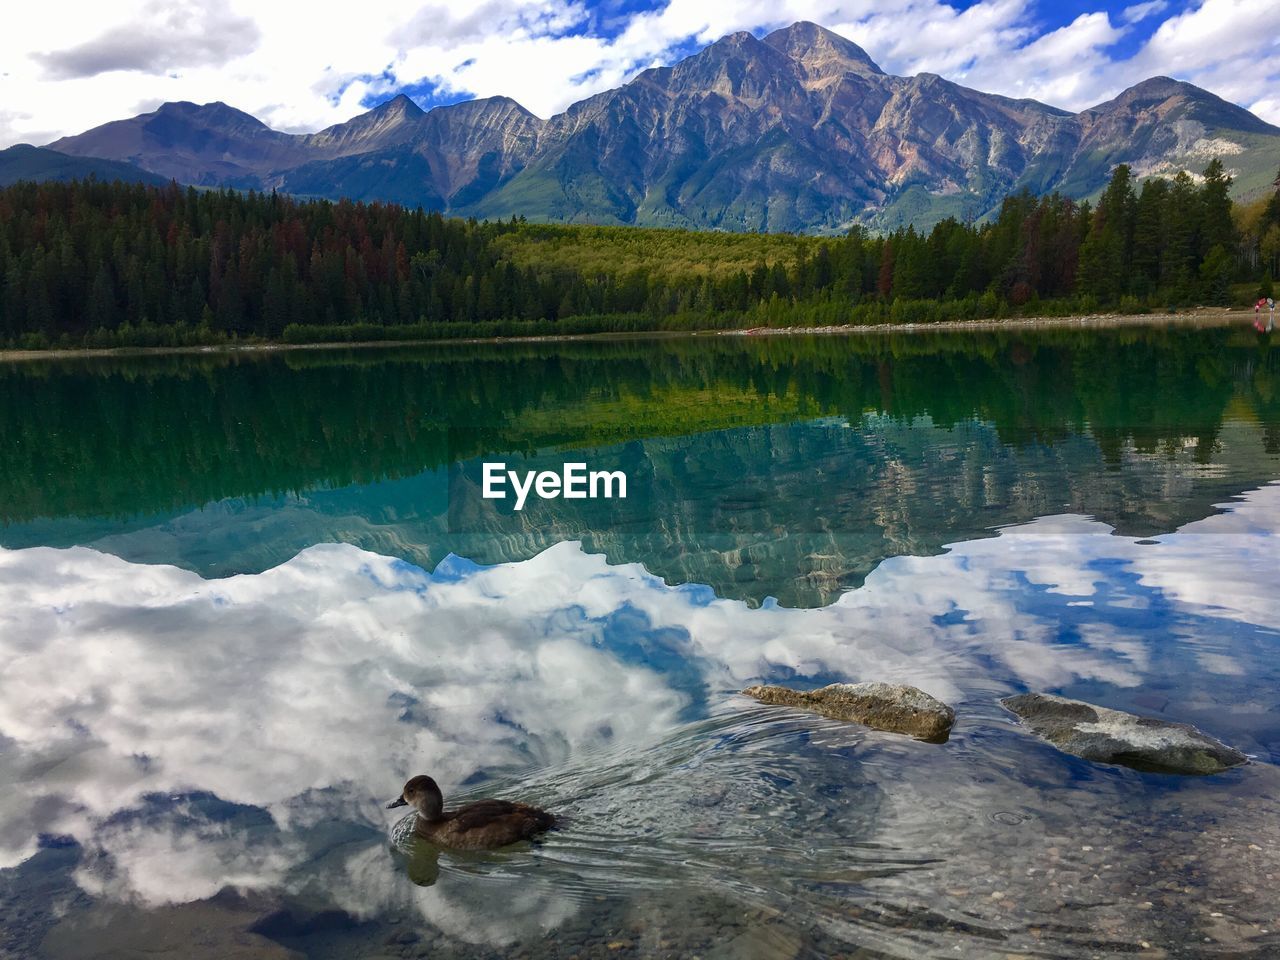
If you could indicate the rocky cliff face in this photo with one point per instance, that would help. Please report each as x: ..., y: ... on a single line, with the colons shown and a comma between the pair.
x: 389, y: 124
x: 797, y: 131
x: 447, y: 159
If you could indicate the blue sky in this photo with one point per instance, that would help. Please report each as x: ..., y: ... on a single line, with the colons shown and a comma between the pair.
x: 71, y: 64
x: 1054, y: 15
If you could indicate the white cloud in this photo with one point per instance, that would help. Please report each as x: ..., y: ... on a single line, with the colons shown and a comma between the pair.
x: 1140, y: 11
x: 72, y: 64
x: 1066, y: 66
x: 167, y: 36
x: 921, y: 35
x: 1268, y: 108
x: 1236, y: 33
x: 1227, y: 46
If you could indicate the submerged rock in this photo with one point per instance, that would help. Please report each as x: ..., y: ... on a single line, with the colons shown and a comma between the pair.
x: 894, y: 707
x: 1113, y: 736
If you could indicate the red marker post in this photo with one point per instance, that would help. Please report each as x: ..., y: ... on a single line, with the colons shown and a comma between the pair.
x: 1270, y: 304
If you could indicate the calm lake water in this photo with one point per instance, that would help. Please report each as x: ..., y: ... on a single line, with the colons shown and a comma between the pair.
x: 242, y: 599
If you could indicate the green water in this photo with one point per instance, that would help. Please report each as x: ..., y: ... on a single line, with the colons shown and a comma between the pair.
x: 785, y: 467
x: 243, y: 597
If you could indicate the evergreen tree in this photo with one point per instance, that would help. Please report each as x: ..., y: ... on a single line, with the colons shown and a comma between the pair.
x: 1215, y: 275
x: 100, y: 310
x: 1149, y: 236
x: 1218, y: 228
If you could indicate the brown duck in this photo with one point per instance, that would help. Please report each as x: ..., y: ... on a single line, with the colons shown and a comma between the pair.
x: 483, y: 825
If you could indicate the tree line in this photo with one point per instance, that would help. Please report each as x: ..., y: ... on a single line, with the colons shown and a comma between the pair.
x: 95, y: 263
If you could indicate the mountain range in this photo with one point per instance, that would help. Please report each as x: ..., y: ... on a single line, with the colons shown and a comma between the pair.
x: 797, y: 131
x: 25, y: 162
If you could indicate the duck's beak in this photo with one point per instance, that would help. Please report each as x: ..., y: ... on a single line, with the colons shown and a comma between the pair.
x: 397, y: 802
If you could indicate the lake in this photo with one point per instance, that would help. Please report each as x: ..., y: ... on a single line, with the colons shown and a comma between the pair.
x: 243, y: 597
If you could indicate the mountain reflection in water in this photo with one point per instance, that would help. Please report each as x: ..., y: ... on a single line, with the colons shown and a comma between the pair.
x: 185, y: 736
x: 774, y: 467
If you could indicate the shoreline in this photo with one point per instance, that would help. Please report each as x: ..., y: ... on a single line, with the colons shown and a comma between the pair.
x: 1199, y: 317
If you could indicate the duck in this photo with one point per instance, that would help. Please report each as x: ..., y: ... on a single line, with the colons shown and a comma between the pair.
x: 483, y: 825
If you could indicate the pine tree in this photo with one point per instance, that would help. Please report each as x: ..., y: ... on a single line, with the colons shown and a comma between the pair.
x: 1111, y: 252
x: 1149, y: 236
x: 1218, y: 229
x: 1215, y: 275
x: 1180, y: 264
x: 101, y: 312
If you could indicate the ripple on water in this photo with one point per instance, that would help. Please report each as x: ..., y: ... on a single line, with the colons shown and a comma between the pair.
x: 830, y: 837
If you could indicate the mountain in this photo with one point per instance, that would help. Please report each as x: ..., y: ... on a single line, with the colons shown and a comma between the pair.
x: 796, y: 131
x: 212, y: 144
x: 446, y: 159
x: 1161, y: 126
x: 25, y: 162
x: 386, y: 125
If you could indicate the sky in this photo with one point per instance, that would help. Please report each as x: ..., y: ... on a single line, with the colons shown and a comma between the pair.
x: 67, y: 65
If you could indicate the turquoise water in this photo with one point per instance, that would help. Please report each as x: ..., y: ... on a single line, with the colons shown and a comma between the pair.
x: 243, y: 599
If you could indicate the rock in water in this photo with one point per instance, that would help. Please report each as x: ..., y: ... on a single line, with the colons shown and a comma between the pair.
x: 1113, y: 736
x: 894, y: 707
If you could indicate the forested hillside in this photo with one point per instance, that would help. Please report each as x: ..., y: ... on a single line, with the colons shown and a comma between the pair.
x: 111, y: 264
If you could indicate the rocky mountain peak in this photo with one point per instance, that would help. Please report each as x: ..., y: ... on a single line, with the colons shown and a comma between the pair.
x: 400, y: 105
x: 216, y: 114
x: 737, y: 67
x: 1166, y: 100
x: 822, y: 52
x: 491, y: 106
x: 735, y: 47
x: 390, y: 122
x: 1159, y: 85
x: 1147, y: 93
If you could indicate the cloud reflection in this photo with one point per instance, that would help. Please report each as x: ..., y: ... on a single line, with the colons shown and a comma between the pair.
x: 195, y: 734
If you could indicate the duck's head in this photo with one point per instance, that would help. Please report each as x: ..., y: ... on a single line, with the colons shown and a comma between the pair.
x: 423, y: 795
